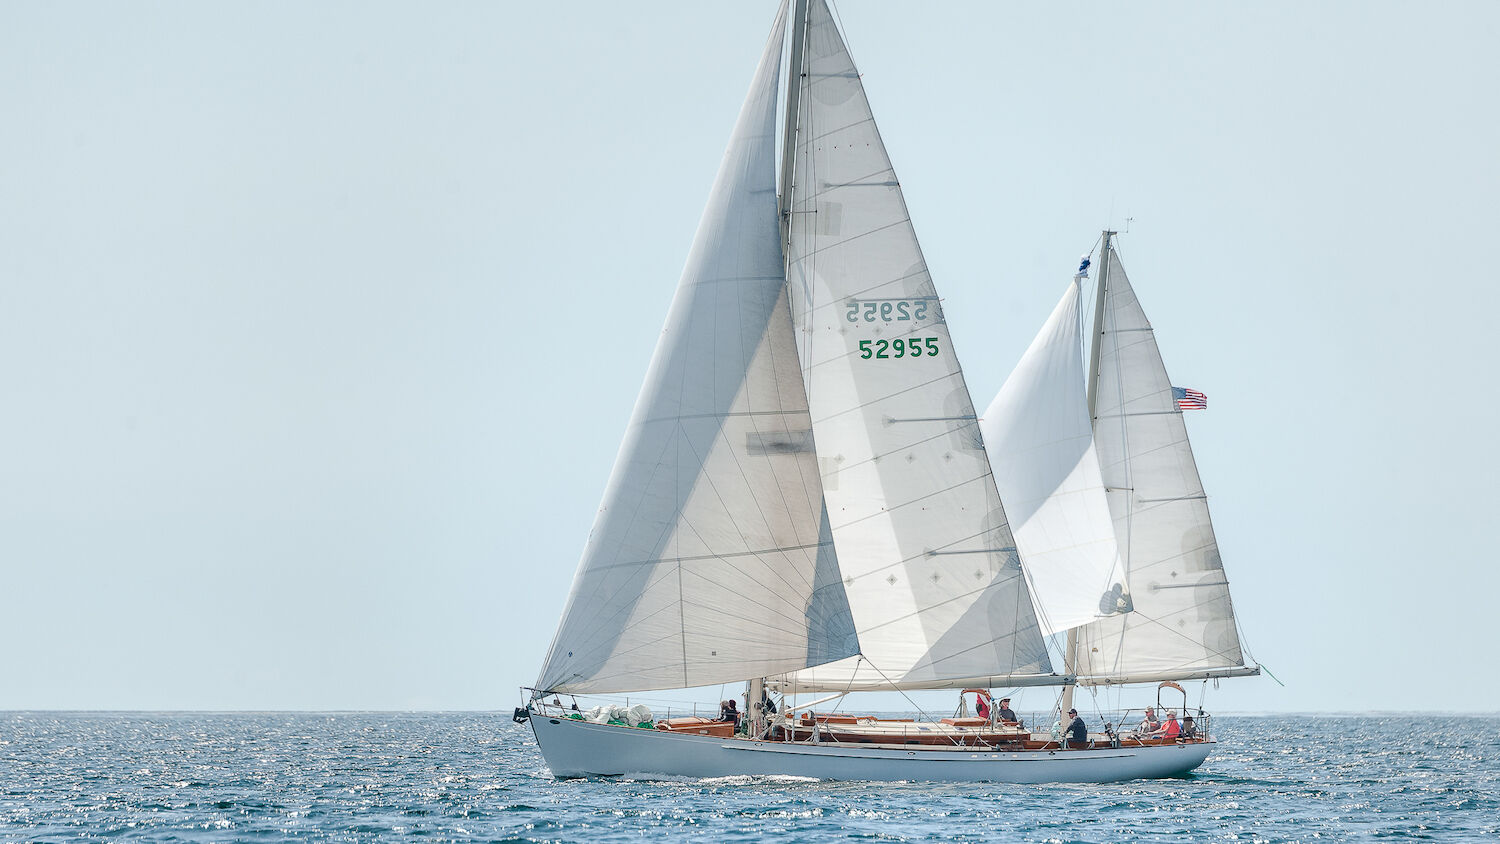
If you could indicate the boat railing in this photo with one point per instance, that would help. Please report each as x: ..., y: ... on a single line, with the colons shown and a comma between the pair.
x: 1112, y: 728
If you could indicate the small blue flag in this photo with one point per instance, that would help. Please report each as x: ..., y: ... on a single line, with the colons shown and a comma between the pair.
x: 1083, y: 268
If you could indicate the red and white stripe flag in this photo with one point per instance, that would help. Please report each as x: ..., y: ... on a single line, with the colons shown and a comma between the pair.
x: 1189, y: 399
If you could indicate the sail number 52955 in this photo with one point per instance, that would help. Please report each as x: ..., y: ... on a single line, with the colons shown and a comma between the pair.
x: 887, y: 310
x: 898, y: 348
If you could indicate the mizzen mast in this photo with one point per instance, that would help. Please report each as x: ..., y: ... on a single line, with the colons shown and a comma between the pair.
x: 1070, y: 658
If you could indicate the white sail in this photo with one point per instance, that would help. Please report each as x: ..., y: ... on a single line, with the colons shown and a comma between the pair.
x: 1041, y: 444
x: 1183, y: 624
x: 710, y: 560
x: 933, y: 581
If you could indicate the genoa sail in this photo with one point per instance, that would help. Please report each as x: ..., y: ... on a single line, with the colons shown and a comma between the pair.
x: 1183, y: 623
x: 711, y: 558
x: 929, y: 564
x: 1041, y: 444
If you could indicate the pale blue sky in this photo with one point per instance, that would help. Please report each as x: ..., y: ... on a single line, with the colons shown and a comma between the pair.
x: 320, y: 323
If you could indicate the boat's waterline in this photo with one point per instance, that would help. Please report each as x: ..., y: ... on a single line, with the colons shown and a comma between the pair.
x: 583, y: 749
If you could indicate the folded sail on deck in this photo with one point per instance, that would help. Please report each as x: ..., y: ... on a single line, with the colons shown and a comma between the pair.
x: 1183, y: 623
x: 710, y: 560
x: 924, y: 545
x: 1041, y: 444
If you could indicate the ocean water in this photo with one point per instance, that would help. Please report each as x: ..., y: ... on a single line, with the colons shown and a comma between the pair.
x: 478, y: 777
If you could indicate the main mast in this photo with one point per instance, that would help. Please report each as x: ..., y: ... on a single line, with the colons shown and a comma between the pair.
x: 798, y: 35
x: 1097, y: 345
x: 1070, y: 659
x: 755, y: 687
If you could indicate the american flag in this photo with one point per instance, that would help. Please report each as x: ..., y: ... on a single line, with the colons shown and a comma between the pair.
x: 1189, y: 399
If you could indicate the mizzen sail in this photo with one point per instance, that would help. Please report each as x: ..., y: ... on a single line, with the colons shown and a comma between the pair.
x: 1183, y: 622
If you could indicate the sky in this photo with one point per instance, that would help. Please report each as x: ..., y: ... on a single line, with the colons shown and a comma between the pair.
x: 320, y: 324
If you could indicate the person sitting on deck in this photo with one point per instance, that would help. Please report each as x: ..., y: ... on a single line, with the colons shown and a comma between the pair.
x: 1189, y: 727
x: 1076, y: 731
x: 1169, y: 728
x: 1149, y: 724
x: 1005, y: 713
x: 729, y: 711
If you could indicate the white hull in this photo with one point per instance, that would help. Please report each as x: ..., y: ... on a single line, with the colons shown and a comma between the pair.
x: 583, y: 749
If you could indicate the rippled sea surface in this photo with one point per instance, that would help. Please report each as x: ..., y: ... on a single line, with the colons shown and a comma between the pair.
x: 478, y: 777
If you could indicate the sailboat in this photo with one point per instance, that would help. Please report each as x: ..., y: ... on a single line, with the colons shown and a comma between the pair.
x: 1110, y: 512
x: 803, y: 501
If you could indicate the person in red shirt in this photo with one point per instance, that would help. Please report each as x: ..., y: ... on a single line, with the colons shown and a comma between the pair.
x: 1169, y: 728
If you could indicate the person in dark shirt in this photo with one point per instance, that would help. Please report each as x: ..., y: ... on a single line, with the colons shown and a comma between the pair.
x: 1005, y: 713
x: 1189, y: 728
x: 1076, y: 730
x: 728, y: 711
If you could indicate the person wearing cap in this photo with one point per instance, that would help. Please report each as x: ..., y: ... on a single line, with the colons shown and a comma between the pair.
x: 1005, y: 713
x: 1076, y: 730
x: 1149, y: 724
x: 1169, y: 728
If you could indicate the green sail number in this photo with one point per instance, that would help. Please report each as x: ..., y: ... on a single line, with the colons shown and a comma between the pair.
x: 900, y: 347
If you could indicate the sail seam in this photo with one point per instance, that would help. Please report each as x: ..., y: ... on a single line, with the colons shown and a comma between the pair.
x: 894, y: 507
x: 736, y: 280
x: 695, y: 558
x: 733, y: 520
x: 887, y: 397
x: 839, y: 244
x: 860, y: 295
x: 589, y: 631
x: 1161, y: 622
x: 913, y: 444
x: 713, y: 487
x: 1139, y: 413
x: 812, y: 140
x: 741, y: 414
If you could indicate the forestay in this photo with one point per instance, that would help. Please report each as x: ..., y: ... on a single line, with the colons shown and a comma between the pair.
x: 1041, y: 445
x: 710, y: 560
x: 929, y: 564
x: 1183, y: 624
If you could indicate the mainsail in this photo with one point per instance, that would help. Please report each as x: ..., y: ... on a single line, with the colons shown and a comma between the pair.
x: 711, y: 559
x: 1041, y: 444
x: 1183, y: 623
x: 928, y: 561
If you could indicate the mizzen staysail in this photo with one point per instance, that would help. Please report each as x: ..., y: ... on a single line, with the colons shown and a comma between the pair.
x: 1041, y: 444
